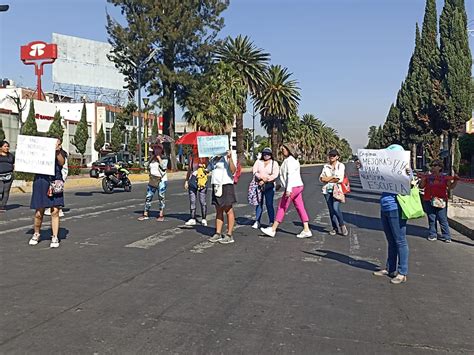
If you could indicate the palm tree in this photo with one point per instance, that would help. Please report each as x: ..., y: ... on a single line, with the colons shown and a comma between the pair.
x: 250, y: 62
x: 277, y: 101
x: 214, y: 104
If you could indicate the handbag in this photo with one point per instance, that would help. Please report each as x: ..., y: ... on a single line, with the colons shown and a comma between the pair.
x: 254, y: 194
x: 346, y: 185
x: 218, y: 190
x: 154, y: 181
x: 411, y: 204
x: 6, y: 177
x: 56, y: 187
x: 338, y: 194
x: 438, y: 202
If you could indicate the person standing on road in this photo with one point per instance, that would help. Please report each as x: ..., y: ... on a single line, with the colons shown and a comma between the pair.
x: 266, y: 171
x: 48, y: 192
x: 64, y: 173
x: 7, y: 164
x: 223, y: 195
x: 196, y: 184
x: 333, y: 173
x: 395, y: 228
x: 290, y: 176
x: 158, y: 182
x: 437, y: 187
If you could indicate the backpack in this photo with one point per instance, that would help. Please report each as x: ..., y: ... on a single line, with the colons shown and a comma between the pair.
x: 238, y: 172
x: 201, y: 177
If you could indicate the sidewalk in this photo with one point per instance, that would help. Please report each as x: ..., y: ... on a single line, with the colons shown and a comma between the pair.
x: 461, y: 216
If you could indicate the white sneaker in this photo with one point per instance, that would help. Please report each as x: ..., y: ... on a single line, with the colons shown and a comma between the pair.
x: 268, y: 231
x: 204, y: 223
x: 304, y: 234
x: 191, y: 222
x: 61, y: 213
x: 256, y: 225
x: 54, y: 242
x: 47, y: 212
x: 34, y: 239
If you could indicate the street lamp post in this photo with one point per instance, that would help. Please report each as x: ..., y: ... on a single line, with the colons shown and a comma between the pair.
x: 140, y: 66
x: 146, y: 100
x: 253, y: 132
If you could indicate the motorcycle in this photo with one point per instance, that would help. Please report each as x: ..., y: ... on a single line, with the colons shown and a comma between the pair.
x: 113, y: 176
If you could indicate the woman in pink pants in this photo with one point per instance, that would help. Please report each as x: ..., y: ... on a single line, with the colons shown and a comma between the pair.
x: 291, y: 181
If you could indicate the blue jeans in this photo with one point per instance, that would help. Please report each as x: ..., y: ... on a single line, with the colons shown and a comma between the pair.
x: 150, y: 192
x: 395, y: 228
x: 335, y: 214
x: 268, y: 197
x: 439, y: 215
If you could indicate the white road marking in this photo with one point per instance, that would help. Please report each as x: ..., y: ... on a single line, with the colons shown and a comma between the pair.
x: 80, y: 216
x: 155, y: 238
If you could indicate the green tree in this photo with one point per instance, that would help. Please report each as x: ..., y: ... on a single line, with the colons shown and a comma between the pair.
x: 154, y: 128
x: 277, y: 100
x: 116, y: 139
x: 391, y: 127
x: 250, y: 63
x: 56, y: 129
x: 133, y: 142
x: 185, y: 47
x: 30, y: 128
x: 466, y: 146
x: 82, y: 134
x: 2, y: 132
x: 457, y: 156
x: 456, y: 65
x: 99, y: 140
x: 213, y: 104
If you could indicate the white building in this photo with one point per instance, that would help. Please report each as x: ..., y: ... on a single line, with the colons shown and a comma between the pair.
x: 98, y: 115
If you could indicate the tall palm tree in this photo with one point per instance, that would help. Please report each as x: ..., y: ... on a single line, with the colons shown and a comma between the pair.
x: 277, y: 101
x: 250, y: 62
x: 213, y: 105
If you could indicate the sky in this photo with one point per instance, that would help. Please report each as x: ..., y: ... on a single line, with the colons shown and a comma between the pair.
x: 348, y: 56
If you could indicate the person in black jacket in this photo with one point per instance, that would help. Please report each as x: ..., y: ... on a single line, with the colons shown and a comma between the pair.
x: 7, y: 163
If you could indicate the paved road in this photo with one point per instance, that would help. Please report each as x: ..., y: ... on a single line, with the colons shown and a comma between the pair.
x: 465, y: 190
x: 119, y: 286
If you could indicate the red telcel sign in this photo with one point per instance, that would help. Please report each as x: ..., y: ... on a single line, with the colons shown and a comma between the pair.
x: 39, y: 53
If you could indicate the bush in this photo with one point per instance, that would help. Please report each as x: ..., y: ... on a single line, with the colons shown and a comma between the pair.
x: 24, y: 176
x: 464, y: 169
x: 180, y: 166
x: 74, y: 166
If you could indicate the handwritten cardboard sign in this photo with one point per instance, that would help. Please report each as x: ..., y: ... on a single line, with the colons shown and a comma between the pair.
x: 35, y: 155
x: 210, y: 146
x: 385, y: 170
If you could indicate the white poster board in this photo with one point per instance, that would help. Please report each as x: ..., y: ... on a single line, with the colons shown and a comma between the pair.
x: 35, y: 155
x: 210, y: 146
x: 384, y: 170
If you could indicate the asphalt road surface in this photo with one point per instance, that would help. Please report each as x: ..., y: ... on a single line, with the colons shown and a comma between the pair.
x: 119, y: 286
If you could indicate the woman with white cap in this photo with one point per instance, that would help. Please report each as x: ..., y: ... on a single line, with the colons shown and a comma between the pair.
x: 265, y: 171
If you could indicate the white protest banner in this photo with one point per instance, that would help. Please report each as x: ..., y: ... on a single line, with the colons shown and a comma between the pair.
x: 385, y: 170
x: 35, y: 155
x: 209, y: 146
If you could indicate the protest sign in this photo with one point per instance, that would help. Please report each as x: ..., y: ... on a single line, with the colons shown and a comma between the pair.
x: 385, y: 170
x: 35, y: 155
x: 209, y: 146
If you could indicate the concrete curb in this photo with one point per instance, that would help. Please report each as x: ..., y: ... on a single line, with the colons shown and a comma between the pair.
x: 460, y: 212
x: 461, y: 228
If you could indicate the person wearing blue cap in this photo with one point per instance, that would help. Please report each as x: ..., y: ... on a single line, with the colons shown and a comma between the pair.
x: 395, y: 228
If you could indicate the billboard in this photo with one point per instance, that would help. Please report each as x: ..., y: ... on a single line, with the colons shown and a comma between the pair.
x: 84, y: 62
